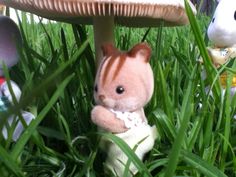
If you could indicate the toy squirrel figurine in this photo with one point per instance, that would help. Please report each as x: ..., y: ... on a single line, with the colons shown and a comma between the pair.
x: 124, y: 85
x: 222, y: 32
x: 10, y: 38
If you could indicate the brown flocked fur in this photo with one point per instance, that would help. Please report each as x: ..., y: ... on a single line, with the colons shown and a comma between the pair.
x: 124, y: 85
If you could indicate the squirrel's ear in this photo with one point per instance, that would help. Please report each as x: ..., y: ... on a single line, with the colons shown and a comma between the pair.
x: 10, y: 40
x: 142, y: 50
x: 108, y: 49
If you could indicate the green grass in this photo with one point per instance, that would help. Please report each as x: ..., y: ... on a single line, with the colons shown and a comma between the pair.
x: 56, y: 74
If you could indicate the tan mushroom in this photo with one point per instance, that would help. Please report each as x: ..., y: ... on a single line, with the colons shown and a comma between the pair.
x: 104, y: 13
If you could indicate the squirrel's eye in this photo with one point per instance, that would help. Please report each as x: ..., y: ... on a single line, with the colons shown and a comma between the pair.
x: 96, y: 88
x: 235, y: 15
x: 120, y: 89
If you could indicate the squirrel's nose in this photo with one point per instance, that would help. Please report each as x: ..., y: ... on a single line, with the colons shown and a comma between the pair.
x: 101, y: 97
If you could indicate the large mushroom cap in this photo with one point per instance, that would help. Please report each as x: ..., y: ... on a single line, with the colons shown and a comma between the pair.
x: 104, y: 13
x: 135, y: 13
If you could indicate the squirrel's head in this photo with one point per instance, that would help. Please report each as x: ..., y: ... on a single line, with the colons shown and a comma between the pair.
x: 124, y: 80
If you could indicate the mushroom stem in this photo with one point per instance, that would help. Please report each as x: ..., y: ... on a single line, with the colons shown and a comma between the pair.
x: 2, y: 7
x: 103, y: 33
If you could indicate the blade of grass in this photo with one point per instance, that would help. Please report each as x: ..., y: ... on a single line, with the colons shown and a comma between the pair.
x: 128, y: 151
x: 211, y: 71
x: 145, y: 35
x: 7, y: 159
x: 87, y: 165
x: 32, y: 127
x: 203, y: 166
x: 186, y: 111
x: 64, y: 47
x: 182, y: 60
x: 27, y: 99
x: 128, y: 163
x: 227, y: 111
x: 167, y: 104
x: 80, y: 37
x: 163, y: 122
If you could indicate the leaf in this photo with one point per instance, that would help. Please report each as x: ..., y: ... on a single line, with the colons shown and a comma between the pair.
x: 128, y: 151
x: 185, y: 114
x: 211, y: 71
x: 32, y: 127
x: 201, y: 165
x: 6, y: 158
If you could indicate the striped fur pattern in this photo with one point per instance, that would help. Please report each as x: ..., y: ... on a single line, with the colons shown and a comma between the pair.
x: 129, y: 70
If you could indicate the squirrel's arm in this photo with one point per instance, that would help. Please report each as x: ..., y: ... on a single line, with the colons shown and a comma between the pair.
x: 105, y: 119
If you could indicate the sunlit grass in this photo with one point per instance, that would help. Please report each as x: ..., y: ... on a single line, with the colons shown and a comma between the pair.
x: 196, y: 131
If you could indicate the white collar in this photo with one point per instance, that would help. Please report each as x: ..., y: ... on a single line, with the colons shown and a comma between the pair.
x: 131, y: 119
